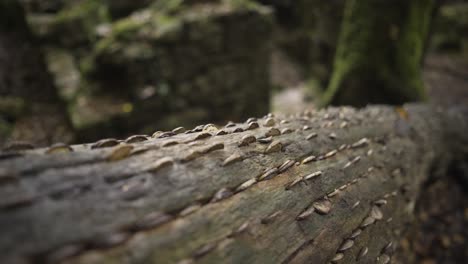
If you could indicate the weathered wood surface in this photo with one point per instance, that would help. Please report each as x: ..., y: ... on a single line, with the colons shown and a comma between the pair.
x: 333, y: 185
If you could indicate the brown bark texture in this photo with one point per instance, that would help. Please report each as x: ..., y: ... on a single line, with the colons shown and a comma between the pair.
x: 336, y: 185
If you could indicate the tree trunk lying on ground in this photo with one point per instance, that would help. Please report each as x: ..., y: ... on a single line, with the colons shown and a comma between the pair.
x: 324, y: 186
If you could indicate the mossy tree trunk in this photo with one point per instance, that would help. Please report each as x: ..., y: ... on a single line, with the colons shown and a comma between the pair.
x: 379, y: 53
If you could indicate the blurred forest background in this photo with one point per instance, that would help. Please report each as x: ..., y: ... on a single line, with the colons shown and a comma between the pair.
x: 78, y: 71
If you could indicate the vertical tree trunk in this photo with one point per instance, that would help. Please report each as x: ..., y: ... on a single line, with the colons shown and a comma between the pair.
x: 379, y: 53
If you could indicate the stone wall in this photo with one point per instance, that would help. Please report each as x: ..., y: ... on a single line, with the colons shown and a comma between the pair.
x: 126, y: 66
x: 30, y: 108
x: 170, y: 63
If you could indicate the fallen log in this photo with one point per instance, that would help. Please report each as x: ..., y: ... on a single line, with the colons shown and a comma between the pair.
x: 336, y: 185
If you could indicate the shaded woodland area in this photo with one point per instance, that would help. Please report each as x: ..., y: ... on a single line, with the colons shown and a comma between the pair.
x: 106, y: 65
x: 333, y: 131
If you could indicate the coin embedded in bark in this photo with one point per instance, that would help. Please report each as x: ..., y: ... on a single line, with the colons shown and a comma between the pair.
x: 322, y: 206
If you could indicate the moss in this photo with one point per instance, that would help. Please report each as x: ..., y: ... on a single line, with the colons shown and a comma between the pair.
x: 163, y: 21
x: 379, y: 54
x: 161, y: 61
x: 126, y: 27
x: 78, y: 11
x: 147, y: 24
x: 76, y: 24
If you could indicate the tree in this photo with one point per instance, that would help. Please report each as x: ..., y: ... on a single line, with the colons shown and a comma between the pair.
x: 379, y: 54
x: 321, y: 186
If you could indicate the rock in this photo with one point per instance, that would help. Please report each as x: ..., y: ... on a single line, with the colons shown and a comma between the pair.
x: 30, y: 108
x: 135, y: 66
x: 179, y: 62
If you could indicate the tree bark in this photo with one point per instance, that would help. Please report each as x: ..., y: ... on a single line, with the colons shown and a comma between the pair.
x: 379, y: 53
x: 332, y: 185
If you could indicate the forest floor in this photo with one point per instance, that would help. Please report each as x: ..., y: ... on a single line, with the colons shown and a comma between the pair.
x: 446, y: 78
x: 440, y: 231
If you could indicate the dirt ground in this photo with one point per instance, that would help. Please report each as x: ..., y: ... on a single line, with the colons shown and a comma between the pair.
x: 440, y: 231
